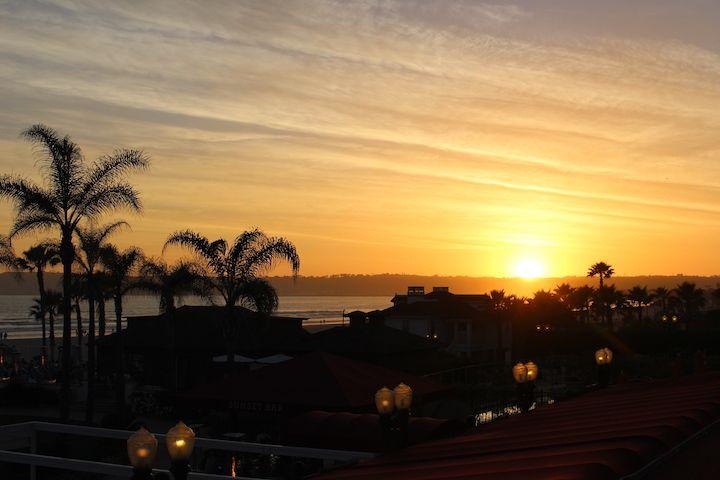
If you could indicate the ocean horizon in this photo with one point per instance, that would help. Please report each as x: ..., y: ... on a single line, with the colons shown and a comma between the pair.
x: 15, y: 318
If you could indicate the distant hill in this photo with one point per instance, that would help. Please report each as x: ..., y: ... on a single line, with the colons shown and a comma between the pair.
x: 388, y: 284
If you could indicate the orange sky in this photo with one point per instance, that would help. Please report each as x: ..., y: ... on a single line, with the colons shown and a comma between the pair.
x: 403, y: 136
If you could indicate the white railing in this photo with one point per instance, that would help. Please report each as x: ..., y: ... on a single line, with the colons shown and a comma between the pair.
x: 28, y: 432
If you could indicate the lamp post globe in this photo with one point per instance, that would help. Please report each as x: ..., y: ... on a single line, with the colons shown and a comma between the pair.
x: 142, y: 449
x: 532, y: 371
x: 403, y: 396
x: 519, y: 372
x: 180, y: 441
x: 385, y: 401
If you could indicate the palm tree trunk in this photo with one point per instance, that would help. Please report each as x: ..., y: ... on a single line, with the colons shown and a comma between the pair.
x: 90, y: 399
x: 52, y: 337
x: 101, y: 315
x: 67, y: 254
x: 79, y: 330
x: 120, y: 370
x: 41, y: 289
x: 44, y: 334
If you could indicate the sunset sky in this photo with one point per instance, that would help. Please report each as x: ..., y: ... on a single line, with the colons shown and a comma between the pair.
x: 393, y: 136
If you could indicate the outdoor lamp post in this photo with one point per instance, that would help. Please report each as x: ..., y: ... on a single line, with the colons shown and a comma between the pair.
x: 393, y: 407
x: 603, y: 358
x: 142, y: 448
x: 525, y: 375
x: 180, y: 442
x: 403, y: 400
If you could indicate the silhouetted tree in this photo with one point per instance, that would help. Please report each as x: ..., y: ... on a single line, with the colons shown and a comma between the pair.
x: 91, y: 244
x: 119, y: 267
x: 581, y: 300
x: 563, y: 292
x: 606, y: 301
x: 36, y: 259
x: 601, y: 270
x: 37, y: 311
x: 73, y: 191
x: 690, y: 300
x: 501, y: 304
x: 53, y: 304
x: 235, y: 271
x: 7, y: 256
x: 638, y: 298
x: 662, y: 295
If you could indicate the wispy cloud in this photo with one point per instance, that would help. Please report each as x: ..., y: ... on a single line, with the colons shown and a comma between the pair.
x: 531, y: 125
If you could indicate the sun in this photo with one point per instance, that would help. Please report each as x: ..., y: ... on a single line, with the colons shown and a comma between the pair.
x: 528, y: 268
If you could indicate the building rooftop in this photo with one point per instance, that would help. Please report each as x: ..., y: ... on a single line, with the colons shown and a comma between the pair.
x: 605, y: 434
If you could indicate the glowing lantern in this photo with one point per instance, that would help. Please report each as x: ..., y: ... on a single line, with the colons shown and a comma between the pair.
x: 603, y: 356
x: 520, y: 373
x: 403, y: 397
x: 385, y: 401
x: 180, y: 442
x: 532, y: 371
x: 142, y: 448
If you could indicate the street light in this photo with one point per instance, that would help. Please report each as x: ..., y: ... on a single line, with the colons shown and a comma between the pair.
x: 403, y: 397
x: 142, y: 448
x: 603, y: 358
x: 385, y: 401
x: 180, y: 442
x: 525, y: 375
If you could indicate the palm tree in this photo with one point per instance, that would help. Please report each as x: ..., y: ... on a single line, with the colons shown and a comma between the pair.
x: 602, y: 270
x: 638, y: 298
x: 581, y: 300
x: 605, y: 300
x: 73, y: 191
x: 235, y: 271
x: 36, y: 259
x: 53, y: 303
x: 563, y: 292
x: 91, y: 244
x: 171, y: 282
x: 715, y: 294
x: 37, y: 311
x: 501, y: 303
x: 691, y: 299
x: 662, y: 295
x: 79, y: 292
x: 119, y: 267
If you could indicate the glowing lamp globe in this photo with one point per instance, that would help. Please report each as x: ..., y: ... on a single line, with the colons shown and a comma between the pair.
x: 180, y: 441
x: 532, y: 371
x: 520, y: 373
x: 403, y: 397
x: 385, y: 401
x: 600, y: 356
x: 608, y: 355
x: 142, y: 448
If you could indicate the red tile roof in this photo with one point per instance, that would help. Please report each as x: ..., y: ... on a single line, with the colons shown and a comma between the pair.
x: 601, y: 435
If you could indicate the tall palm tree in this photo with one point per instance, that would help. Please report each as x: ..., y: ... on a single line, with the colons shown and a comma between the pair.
x: 91, y: 244
x: 72, y: 191
x: 601, y: 270
x: 170, y: 283
x: 36, y: 259
x: 235, y: 271
x: 691, y: 299
x: 119, y: 267
x: 638, y: 298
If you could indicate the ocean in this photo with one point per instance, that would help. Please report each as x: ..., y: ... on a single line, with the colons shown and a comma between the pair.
x: 15, y: 318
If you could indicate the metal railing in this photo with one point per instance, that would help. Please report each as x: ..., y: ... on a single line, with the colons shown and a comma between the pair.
x: 25, y: 436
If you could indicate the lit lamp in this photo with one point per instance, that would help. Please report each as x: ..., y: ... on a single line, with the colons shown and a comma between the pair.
x: 142, y: 448
x: 603, y: 358
x: 393, y: 407
x: 525, y: 375
x: 180, y: 442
